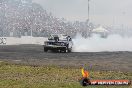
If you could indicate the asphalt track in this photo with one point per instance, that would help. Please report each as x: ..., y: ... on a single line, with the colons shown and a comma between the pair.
x: 34, y: 55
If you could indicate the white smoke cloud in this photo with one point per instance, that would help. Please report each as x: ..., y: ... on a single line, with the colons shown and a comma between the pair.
x: 98, y: 44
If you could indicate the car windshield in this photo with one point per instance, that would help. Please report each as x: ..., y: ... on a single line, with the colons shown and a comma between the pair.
x: 51, y: 37
x: 61, y: 37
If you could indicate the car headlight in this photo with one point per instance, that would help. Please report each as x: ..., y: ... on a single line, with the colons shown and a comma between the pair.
x: 62, y: 44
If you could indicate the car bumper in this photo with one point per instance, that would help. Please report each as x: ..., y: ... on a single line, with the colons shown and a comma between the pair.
x: 52, y: 47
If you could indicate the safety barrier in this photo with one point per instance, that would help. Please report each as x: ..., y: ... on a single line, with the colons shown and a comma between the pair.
x: 22, y: 40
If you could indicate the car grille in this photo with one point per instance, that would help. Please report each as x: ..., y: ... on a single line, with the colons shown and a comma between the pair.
x: 54, y: 43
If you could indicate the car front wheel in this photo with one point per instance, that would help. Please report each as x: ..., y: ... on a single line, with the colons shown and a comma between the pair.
x: 45, y: 50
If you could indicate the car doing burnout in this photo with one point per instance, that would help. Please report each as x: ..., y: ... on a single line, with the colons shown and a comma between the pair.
x: 59, y: 43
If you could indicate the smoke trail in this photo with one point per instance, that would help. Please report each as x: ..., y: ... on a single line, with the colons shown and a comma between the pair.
x: 97, y: 44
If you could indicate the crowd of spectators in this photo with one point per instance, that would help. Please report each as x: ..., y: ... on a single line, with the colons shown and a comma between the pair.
x: 26, y: 18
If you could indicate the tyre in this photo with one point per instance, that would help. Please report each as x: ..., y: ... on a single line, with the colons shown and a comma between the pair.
x: 45, y: 49
x: 65, y: 50
x: 69, y: 50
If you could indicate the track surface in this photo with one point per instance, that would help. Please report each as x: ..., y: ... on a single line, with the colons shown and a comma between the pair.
x: 34, y: 55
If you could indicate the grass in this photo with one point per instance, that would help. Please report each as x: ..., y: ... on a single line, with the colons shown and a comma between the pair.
x: 22, y: 76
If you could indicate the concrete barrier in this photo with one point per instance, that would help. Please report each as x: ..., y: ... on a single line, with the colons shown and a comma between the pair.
x: 22, y: 40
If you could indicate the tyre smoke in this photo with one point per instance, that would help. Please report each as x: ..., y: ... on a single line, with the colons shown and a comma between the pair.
x: 98, y: 44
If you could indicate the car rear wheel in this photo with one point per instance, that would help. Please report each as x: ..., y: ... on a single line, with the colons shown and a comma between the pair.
x: 70, y: 50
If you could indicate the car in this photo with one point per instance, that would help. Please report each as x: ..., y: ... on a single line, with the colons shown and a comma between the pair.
x: 58, y: 43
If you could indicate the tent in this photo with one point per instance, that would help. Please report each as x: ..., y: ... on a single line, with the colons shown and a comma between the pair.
x: 100, y: 30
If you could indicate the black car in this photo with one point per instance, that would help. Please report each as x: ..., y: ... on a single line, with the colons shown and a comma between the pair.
x: 58, y: 43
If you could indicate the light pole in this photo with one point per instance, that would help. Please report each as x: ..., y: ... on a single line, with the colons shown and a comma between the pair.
x: 88, y: 10
x: 88, y: 20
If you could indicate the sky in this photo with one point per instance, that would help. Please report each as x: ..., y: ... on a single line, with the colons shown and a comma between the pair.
x: 104, y: 12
